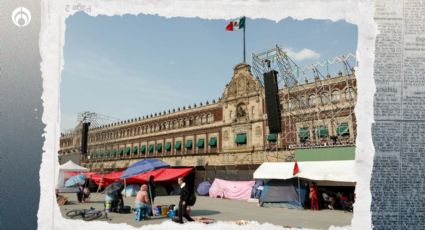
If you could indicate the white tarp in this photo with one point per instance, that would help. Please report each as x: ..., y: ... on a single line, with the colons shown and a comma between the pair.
x: 338, y: 171
x: 72, y: 167
x: 68, y: 167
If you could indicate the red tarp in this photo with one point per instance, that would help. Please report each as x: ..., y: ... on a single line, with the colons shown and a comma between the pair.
x: 160, y: 175
x: 164, y: 174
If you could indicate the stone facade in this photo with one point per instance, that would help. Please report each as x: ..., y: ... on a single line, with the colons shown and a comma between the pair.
x: 232, y: 131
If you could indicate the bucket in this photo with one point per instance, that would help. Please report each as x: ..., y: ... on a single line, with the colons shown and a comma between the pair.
x: 108, y: 206
x: 164, y: 210
x: 171, y: 214
x: 158, y: 211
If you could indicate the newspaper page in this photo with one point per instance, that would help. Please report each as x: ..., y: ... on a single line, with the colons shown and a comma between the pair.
x: 399, y: 108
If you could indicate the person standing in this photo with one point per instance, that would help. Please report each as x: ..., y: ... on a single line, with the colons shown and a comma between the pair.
x: 314, y: 203
x: 152, y: 188
x: 185, y: 192
x: 101, y: 184
x: 80, y: 193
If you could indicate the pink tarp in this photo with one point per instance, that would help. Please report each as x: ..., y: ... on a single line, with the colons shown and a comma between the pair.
x: 234, y: 190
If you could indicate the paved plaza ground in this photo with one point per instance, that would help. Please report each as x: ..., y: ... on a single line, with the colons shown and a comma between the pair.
x: 225, y: 210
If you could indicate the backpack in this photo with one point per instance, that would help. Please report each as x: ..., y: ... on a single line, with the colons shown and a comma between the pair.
x: 191, y: 200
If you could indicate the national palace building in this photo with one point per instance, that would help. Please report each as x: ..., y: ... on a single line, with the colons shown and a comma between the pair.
x: 229, y: 133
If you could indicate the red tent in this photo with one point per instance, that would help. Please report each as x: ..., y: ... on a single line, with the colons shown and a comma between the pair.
x: 160, y: 175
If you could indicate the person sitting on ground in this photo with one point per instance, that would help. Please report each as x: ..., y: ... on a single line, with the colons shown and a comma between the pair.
x: 115, y: 200
x: 111, y: 200
x: 345, y: 203
x: 328, y: 200
x: 142, y: 199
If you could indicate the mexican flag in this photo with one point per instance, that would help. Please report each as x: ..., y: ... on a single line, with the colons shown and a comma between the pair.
x: 236, y: 24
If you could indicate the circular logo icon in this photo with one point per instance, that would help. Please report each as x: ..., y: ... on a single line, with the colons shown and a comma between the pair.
x: 21, y: 16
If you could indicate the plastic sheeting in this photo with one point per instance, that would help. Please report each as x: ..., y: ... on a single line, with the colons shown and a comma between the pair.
x: 160, y: 175
x: 283, y: 193
x: 235, y: 190
x: 64, y: 169
x: 131, y: 190
x: 204, y: 188
x: 337, y: 171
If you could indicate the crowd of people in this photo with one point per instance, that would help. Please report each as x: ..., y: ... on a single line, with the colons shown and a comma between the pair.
x: 316, y: 198
x: 323, y: 198
x: 145, y: 198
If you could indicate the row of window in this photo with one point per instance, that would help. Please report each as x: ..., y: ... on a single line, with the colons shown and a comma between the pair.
x: 325, y: 98
x: 152, y: 128
x: 323, y: 131
x: 152, y: 148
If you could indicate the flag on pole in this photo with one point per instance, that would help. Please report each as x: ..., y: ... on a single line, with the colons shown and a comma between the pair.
x: 236, y: 24
x: 296, y: 169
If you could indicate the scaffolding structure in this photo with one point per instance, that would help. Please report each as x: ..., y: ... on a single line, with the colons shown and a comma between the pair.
x: 310, y: 98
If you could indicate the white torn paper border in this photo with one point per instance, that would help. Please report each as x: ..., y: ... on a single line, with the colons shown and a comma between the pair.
x: 52, y: 40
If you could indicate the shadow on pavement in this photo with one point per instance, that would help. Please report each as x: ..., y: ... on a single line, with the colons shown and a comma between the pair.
x: 198, y: 212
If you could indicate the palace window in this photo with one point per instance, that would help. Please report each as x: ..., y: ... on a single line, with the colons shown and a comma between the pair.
x: 292, y: 104
x: 312, y: 100
x: 349, y: 94
x: 241, y: 139
x: 335, y: 96
x: 209, y: 118
x: 325, y: 98
x: 303, y: 102
x: 322, y: 131
x: 303, y: 133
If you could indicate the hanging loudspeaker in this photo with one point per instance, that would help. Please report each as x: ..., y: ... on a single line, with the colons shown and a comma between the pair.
x: 272, y: 101
x: 84, y: 137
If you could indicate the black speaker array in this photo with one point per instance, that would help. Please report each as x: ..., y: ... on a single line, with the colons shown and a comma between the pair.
x: 84, y: 137
x: 272, y: 101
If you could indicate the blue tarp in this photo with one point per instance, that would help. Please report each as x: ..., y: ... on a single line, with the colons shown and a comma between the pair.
x: 283, y: 193
x: 143, y: 166
x: 131, y: 190
x: 75, y: 180
x: 257, y: 189
x: 204, y: 188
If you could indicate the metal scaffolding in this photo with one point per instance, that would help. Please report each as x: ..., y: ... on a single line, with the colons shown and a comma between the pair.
x: 308, y: 97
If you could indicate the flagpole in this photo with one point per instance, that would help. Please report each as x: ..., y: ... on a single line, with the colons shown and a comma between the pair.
x: 244, y: 60
x: 299, y: 190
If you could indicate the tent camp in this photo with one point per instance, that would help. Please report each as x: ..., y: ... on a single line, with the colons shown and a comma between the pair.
x: 131, y: 190
x: 63, y: 175
x: 283, y: 193
x: 203, y: 188
x: 160, y: 175
x: 281, y: 187
x: 324, y: 173
x: 234, y: 190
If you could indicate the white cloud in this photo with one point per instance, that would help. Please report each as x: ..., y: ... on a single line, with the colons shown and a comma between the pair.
x: 302, y: 54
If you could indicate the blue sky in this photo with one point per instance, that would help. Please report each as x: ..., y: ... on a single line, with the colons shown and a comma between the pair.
x: 129, y: 66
